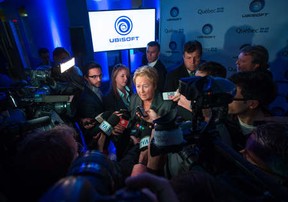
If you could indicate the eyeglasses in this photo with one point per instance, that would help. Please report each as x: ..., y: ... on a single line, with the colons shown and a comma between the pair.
x: 95, y: 76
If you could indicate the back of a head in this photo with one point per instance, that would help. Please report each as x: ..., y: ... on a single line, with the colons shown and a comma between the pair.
x: 196, y: 186
x: 269, y: 142
x: 256, y: 86
x: 43, y: 158
x: 60, y: 54
x: 192, y: 46
x: 213, y: 68
x: 42, y: 51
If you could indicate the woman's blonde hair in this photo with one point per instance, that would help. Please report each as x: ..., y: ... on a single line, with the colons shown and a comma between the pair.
x: 149, y: 72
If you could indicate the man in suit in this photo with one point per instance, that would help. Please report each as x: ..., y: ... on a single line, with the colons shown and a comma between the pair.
x: 191, y: 59
x: 90, y: 103
x: 152, y: 56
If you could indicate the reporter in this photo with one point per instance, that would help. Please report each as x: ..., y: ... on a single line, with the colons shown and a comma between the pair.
x: 118, y: 99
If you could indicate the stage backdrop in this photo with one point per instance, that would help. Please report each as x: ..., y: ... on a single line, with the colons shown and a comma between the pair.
x: 223, y: 27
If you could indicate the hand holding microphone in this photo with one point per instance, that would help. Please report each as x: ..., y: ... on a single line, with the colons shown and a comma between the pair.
x: 107, y: 126
x: 88, y: 123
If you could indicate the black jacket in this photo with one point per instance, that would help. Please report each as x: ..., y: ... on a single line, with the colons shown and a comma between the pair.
x: 112, y: 102
x: 172, y: 78
x: 162, y: 72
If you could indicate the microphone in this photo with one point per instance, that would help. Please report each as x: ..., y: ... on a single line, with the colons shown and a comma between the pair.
x: 103, y: 116
x: 124, y: 118
x: 145, y: 138
x: 107, y: 126
x: 99, y: 119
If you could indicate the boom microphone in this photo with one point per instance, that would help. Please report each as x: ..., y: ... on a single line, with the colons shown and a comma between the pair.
x: 107, y: 126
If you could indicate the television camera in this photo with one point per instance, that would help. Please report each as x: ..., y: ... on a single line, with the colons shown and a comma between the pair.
x: 207, y: 144
x: 39, y: 103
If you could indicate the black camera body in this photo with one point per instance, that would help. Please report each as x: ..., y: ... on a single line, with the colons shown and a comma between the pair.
x: 206, y: 92
x: 93, y: 177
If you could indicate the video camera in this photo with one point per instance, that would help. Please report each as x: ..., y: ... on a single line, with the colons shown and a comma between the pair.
x: 93, y: 177
x: 213, y: 93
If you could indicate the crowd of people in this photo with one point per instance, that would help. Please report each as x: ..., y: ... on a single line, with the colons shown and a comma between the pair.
x: 239, y: 151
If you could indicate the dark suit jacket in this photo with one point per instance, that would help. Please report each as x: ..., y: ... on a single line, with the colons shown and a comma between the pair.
x: 161, y: 70
x: 113, y: 103
x: 89, y: 104
x: 172, y: 78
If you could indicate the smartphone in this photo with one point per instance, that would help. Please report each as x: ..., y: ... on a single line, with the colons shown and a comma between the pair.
x: 168, y: 95
x: 141, y: 110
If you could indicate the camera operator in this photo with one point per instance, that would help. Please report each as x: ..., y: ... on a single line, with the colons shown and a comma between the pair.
x: 255, y: 91
x: 146, y: 106
x: 69, y: 82
x: 259, y: 175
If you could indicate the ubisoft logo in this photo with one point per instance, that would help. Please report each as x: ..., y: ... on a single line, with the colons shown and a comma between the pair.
x: 174, y: 12
x: 207, y: 29
x: 123, y: 25
x: 256, y: 5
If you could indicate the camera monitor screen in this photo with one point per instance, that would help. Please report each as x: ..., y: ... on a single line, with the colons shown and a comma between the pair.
x: 122, y: 29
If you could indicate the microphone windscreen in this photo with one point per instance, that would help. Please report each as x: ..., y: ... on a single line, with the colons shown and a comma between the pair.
x: 113, y: 120
x: 106, y: 114
x: 103, y: 116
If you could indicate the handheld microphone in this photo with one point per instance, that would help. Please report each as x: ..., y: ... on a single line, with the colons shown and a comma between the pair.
x: 124, y: 118
x: 145, y: 138
x: 107, y: 126
x: 103, y: 116
x: 99, y: 119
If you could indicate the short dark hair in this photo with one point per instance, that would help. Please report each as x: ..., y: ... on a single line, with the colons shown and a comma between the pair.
x: 213, y: 68
x: 259, y: 54
x: 154, y: 43
x: 42, y: 51
x: 270, y: 144
x: 256, y: 86
x: 192, y: 46
x: 59, y: 50
x: 90, y: 65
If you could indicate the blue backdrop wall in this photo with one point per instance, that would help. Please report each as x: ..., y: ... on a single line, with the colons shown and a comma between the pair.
x: 222, y: 27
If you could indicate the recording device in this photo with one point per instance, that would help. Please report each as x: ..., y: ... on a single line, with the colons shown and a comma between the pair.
x: 124, y: 118
x: 141, y: 111
x: 206, y: 92
x: 103, y: 116
x: 145, y: 138
x: 168, y: 137
x: 67, y: 65
x: 93, y: 177
x: 107, y: 126
x: 168, y: 95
